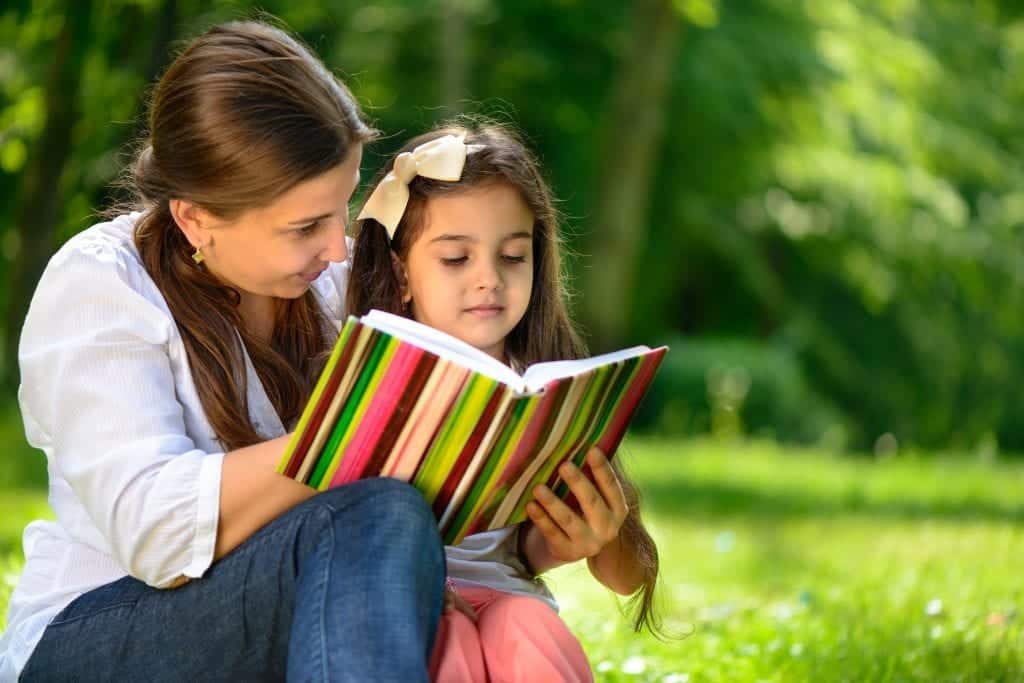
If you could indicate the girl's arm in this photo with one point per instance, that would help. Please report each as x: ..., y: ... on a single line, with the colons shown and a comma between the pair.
x: 559, y: 535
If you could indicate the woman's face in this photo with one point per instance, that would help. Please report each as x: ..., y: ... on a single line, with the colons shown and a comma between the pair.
x: 278, y: 250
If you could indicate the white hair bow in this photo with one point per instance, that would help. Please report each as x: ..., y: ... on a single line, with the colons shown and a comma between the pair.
x: 440, y: 159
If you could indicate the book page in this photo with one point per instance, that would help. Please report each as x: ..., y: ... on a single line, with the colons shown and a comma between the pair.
x: 539, y: 374
x: 444, y: 345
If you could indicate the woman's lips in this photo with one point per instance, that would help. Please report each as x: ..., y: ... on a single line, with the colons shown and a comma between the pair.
x: 310, y: 277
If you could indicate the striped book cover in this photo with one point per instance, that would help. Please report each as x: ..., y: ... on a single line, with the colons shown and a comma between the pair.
x: 400, y: 399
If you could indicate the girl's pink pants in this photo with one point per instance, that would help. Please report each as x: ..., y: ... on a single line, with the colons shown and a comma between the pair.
x: 516, y: 638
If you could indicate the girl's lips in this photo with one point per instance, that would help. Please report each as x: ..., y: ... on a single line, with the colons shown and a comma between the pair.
x: 485, y: 311
x: 310, y: 277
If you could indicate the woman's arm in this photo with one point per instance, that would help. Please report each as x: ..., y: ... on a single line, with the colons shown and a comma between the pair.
x: 100, y: 396
x: 252, y: 493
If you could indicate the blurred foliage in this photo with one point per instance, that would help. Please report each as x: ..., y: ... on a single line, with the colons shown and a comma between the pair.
x: 838, y: 184
x: 733, y: 387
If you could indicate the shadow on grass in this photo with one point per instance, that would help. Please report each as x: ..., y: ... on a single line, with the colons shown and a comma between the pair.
x: 718, y: 499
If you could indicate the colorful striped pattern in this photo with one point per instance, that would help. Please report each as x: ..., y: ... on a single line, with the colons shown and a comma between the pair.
x: 472, y: 445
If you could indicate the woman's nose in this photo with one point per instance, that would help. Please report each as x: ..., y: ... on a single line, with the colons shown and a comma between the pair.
x: 336, y: 248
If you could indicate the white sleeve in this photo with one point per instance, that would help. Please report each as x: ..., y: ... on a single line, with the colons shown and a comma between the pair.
x: 96, y: 383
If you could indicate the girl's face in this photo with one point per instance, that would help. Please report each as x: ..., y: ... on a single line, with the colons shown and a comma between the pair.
x: 278, y: 250
x: 470, y: 271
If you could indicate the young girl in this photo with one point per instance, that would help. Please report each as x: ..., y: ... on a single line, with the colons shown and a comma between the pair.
x: 460, y: 234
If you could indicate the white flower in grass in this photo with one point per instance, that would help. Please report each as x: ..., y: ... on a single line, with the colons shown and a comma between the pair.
x: 634, y: 666
x: 676, y: 678
x: 933, y: 608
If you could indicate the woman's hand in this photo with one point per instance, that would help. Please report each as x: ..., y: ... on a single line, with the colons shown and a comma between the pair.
x: 570, y: 535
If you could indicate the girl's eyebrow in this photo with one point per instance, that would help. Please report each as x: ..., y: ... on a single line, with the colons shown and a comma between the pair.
x: 449, y: 237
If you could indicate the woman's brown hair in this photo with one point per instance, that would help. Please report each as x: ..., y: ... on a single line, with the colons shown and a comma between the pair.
x: 546, y: 331
x: 241, y: 116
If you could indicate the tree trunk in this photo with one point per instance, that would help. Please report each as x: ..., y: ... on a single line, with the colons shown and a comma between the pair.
x: 38, y: 205
x: 633, y: 135
x: 454, y: 67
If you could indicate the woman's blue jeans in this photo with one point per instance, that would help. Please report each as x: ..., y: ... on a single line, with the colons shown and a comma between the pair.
x: 347, y: 586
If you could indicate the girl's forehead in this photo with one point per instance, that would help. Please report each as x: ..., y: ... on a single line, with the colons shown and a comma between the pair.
x: 495, y: 210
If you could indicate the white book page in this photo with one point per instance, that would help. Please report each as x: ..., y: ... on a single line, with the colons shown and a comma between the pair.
x: 444, y: 345
x: 536, y: 376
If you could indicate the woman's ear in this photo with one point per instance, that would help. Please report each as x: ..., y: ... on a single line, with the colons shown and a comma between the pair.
x: 402, y: 276
x: 193, y: 221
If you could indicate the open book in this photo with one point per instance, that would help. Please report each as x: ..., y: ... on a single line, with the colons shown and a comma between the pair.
x: 401, y: 399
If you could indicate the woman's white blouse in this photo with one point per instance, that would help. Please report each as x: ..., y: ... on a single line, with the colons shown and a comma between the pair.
x: 134, y: 466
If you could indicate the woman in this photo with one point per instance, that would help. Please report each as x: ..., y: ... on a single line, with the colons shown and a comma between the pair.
x: 164, y: 357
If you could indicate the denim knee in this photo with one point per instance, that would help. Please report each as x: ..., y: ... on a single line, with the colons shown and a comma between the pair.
x: 387, y: 498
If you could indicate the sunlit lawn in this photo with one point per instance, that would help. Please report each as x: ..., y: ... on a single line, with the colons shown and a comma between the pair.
x: 785, y: 565
x: 788, y: 566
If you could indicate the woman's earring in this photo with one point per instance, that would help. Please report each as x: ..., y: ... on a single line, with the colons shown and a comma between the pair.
x: 198, y: 256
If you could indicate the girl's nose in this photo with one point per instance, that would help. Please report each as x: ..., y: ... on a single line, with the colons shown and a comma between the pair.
x: 488, y: 276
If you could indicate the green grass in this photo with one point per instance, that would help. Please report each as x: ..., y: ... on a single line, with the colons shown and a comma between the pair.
x: 797, y: 566
x: 791, y: 565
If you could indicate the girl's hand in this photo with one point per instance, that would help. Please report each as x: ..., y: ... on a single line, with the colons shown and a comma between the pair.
x: 571, y: 535
x: 452, y: 600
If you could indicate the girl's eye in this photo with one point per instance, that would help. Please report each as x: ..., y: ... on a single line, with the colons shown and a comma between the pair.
x: 456, y: 261
x: 513, y: 259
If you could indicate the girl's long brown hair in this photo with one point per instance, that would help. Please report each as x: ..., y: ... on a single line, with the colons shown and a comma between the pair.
x: 546, y: 331
x: 242, y: 115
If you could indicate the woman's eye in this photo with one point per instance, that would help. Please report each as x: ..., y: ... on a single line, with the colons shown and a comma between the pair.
x: 509, y: 258
x: 454, y: 261
x: 307, y: 230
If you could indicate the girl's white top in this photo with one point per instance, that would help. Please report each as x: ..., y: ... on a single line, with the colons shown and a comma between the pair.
x: 134, y: 466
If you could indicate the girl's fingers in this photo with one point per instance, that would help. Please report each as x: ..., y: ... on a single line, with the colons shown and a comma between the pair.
x: 602, y: 505
x: 560, y: 513
x: 459, y: 603
x: 577, y: 531
x: 591, y: 503
x: 608, y: 483
x: 552, y: 533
